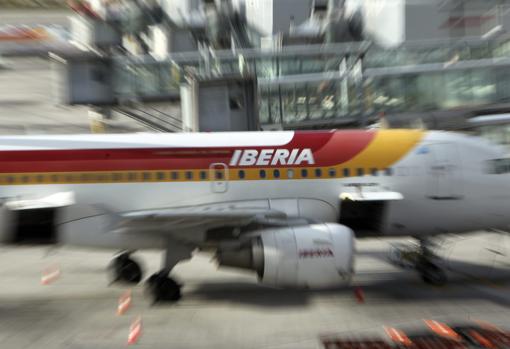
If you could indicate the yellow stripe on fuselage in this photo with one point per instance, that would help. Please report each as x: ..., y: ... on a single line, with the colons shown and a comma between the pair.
x: 387, y: 148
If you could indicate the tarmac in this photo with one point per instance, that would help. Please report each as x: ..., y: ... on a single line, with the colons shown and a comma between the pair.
x: 226, y: 308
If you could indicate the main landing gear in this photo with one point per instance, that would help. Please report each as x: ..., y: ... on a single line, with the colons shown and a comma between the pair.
x: 125, y: 269
x: 163, y: 288
x: 160, y: 286
x: 422, y: 259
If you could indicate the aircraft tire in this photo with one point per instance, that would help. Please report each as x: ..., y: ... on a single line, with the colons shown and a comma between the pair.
x: 125, y: 270
x: 163, y: 289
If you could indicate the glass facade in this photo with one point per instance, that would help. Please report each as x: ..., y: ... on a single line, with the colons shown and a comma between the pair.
x: 317, y: 82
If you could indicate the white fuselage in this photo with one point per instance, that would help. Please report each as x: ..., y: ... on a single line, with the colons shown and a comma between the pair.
x: 444, y: 180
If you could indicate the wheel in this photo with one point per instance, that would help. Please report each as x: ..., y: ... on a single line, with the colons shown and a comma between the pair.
x: 125, y: 269
x: 431, y: 274
x: 163, y: 289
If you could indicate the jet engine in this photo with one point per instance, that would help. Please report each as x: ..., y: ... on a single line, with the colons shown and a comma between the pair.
x: 309, y: 256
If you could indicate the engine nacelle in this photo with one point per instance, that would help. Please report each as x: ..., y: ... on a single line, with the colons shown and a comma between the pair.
x: 310, y: 256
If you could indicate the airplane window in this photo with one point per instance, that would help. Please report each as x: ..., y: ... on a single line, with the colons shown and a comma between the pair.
x: 40, y: 178
x: 219, y: 175
x: 347, y: 172
x: 498, y: 166
x: 332, y: 172
x: 242, y: 174
x: 360, y: 172
x: 54, y: 178
x: 276, y: 173
x: 161, y: 176
x: 25, y: 179
x: 69, y: 178
x: 10, y: 179
x: 304, y: 172
x: 175, y: 175
x: 290, y: 173
x: 117, y: 177
x: 318, y: 172
x: 189, y: 175
x: 373, y: 172
x: 388, y: 172
x: 147, y: 176
x: 203, y: 175
x: 262, y: 173
x: 131, y: 176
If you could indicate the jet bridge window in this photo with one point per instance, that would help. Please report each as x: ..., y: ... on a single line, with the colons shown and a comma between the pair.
x: 498, y: 166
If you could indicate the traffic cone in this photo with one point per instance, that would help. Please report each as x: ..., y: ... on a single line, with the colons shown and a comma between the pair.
x: 135, y: 331
x: 443, y: 330
x: 359, y: 294
x: 124, y: 302
x: 50, y: 274
x: 397, y: 336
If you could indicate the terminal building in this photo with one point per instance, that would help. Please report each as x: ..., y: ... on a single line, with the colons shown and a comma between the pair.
x: 206, y: 65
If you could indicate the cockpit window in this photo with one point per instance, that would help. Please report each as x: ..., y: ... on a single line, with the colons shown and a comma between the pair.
x: 498, y: 166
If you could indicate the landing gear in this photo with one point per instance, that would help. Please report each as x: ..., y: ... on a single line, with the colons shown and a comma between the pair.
x: 431, y: 274
x: 163, y: 288
x: 420, y: 258
x: 160, y: 286
x: 124, y: 269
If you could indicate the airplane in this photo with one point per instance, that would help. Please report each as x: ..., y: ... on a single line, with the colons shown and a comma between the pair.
x: 286, y: 205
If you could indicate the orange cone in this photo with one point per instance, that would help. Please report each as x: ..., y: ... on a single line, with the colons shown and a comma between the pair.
x: 359, y: 294
x: 399, y: 337
x: 443, y: 330
x: 135, y: 331
x: 50, y: 274
x: 124, y: 302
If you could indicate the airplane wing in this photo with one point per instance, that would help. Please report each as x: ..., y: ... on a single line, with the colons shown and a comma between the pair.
x: 201, y: 218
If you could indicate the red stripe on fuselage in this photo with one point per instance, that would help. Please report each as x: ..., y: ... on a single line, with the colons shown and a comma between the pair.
x: 329, y: 148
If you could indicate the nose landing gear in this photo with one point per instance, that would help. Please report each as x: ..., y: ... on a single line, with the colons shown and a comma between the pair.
x: 422, y: 259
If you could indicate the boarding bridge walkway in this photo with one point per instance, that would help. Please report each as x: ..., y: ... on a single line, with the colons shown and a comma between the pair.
x: 334, y: 85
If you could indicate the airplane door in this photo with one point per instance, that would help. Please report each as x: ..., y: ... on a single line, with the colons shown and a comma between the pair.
x: 218, y: 173
x: 444, y: 172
